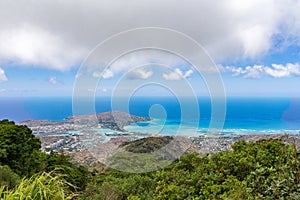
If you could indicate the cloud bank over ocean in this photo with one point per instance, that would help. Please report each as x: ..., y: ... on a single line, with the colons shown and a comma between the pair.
x: 253, y: 42
x: 257, y: 71
x: 58, y: 35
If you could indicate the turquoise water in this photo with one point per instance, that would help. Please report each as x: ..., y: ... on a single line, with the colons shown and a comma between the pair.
x: 252, y: 115
x: 162, y: 127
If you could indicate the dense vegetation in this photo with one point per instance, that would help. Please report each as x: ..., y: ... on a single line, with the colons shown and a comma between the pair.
x: 147, y: 145
x: 18, y: 147
x: 266, y: 169
x: 43, y: 186
x: 21, y: 160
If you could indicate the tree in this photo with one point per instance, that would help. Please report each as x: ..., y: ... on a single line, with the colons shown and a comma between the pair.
x: 17, y: 145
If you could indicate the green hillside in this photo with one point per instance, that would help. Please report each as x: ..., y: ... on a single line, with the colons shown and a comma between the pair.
x: 265, y: 169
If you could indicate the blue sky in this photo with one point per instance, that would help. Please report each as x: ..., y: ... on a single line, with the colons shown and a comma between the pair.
x: 255, y: 49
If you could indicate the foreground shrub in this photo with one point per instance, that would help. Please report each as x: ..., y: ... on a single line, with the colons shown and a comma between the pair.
x: 39, y: 187
x: 8, y: 178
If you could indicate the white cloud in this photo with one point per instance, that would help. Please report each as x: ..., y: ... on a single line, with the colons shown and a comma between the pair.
x: 134, y: 63
x: 188, y: 73
x: 58, y: 35
x: 177, y: 74
x: 2, y: 75
x: 139, y: 74
x: 30, y: 45
x: 279, y: 71
x: 248, y: 72
x: 97, y: 74
x: 257, y: 71
x: 106, y: 74
x: 53, y: 80
x: 145, y: 58
x: 2, y: 90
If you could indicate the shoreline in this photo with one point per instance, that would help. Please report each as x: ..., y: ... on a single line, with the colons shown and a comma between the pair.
x: 91, y: 144
x: 77, y: 136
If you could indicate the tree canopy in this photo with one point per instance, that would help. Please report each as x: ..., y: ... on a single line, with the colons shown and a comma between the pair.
x: 17, y: 146
x: 20, y: 153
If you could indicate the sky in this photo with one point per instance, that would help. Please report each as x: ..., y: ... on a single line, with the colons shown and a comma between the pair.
x: 254, y: 45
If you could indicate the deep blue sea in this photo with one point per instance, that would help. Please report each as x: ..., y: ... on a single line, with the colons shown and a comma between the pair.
x: 243, y: 114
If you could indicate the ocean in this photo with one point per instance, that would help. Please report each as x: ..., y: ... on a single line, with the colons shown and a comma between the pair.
x: 249, y: 115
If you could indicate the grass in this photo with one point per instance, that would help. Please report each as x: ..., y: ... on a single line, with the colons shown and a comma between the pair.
x: 39, y: 187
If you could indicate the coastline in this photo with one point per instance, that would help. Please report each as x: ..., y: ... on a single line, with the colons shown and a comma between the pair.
x: 77, y: 137
x: 117, y: 123
x: 169, y: 127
